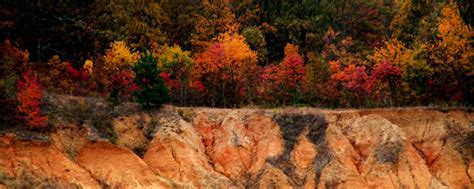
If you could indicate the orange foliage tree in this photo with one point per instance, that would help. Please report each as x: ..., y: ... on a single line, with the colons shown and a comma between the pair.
x: 227, y: 68
x: 452, y: 56
x: 55, y: 78
x: 29, y: 101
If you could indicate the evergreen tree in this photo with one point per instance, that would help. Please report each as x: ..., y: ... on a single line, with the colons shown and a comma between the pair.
x: 152, y: 91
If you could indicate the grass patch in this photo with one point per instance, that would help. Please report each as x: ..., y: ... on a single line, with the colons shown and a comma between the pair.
x: 96, y: 113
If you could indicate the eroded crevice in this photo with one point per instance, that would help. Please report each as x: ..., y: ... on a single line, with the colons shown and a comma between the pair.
x: 292, y: 126
x: 323, y: 158
x: 410, y: 170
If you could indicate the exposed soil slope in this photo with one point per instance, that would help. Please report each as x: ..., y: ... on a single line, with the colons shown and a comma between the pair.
x: 252, y: 148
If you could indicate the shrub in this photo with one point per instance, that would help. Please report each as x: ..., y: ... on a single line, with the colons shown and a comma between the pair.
x: 59, y: 76
x: 152, y: 91
x: 80, y: 80
x: 122, y: 87
x: 29, y: 101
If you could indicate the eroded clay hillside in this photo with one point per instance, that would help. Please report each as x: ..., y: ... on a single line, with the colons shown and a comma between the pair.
x: 249, y: 148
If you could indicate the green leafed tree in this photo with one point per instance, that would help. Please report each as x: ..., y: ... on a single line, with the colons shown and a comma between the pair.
x: 152, y: 91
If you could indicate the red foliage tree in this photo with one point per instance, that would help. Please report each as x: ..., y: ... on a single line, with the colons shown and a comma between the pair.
x: 227, y: 68
x: 355, y: 80
x: 386, y: 76
x: 286, y: 78
x: 29, y: 101
x: 292, y: 72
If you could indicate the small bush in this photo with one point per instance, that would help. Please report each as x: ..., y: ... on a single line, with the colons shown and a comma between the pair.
x: 29, y: 101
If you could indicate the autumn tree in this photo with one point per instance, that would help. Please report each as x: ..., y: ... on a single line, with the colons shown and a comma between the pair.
x: 179, y: 21
x: 228, y: 69
x: 285, y: 80
x: 256, y: 40
x: 318, y: 88
x: 386, y: 76
x: 292, y: 72
x: 353, y: 80
x: 56, y: 76
x: 115, y: 74
x: 178, y: 64
x: 216, y: 18
x: 349, y: 73
x: 415, y: 70
x: 80, y: 80
x: 13, y: 62
x: 137, y: 23
x: 29, y: 101
x: 452, y: 56
x: 413, y: 22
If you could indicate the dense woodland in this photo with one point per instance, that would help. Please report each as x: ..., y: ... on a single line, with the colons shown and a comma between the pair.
x: 234, y: 53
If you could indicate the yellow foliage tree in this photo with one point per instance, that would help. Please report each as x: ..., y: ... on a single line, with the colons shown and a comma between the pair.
x: 415, y: 69
x: 119, y: 56
x: 452, y: 56
x: 228, y: 65
x: 393, y: 51
x: 89, y: 67
x: 453, y: 47
x: 118, y: 59
x: 178, y: 64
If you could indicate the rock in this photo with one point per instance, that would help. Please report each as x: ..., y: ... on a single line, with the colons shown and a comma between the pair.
x: 303, y: 156
x: 340, y: 168
x: 450, y: 169
x: 470, y: 169
x: 371, y: 134
x: 252, y: 148
x: 117, y: 167
x: 70, y: 139
x: 39, y: 164
x: 241, y: 143
x: 181, y: 157
x: 129, y: 131
x: 231, y: 148
x: 273, y: 178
